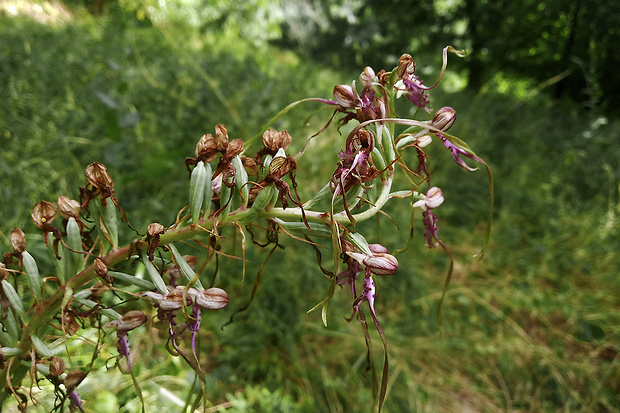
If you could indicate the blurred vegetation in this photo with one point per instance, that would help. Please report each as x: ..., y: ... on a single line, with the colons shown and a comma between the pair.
x: 535, y: 326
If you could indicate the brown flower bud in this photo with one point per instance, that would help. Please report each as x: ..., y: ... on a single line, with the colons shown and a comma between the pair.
x: 274, y: 140
x: 97, y: 175
x: 212, y: 299
x: 174, y: 299
x: 381, y: 264
x: 221, y: 138
x: 43, y: 213
x: 68, y: 208
x: 174, y: 272
x: 363, y: 139
x: 250, y: 165
x: 69, y: 323
x: 406, y: 66
x: 280, y: 166
x: 206, y: 148
x: 4, y: 273
x: 133, y: 319
x: 57, y: 366
x: 102, y: 270
x: 18, y: 240
x: 444, y: 118
x: 367, y: 76
x: 73, y: 379
x: 377, y: 249
x: 345, y: 96
x: 235, y: 147
x: 155, y: 229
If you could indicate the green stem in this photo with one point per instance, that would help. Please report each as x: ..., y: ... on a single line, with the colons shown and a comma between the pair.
x: 47, y: 309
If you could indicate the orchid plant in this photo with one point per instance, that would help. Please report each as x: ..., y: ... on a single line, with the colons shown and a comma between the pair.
x: 227, y: 188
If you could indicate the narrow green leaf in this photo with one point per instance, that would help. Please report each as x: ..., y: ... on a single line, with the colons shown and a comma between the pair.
x: 91, y: 304
x: 133, y: 280
x: 360, y: 242
x: 154, y: 274
x: 241, y: 180
x: 41, y: 347
x: 11, y: 336
x: 10, y: 351
x: 184, y: 267
x: 206, y: 204
x: 30, y: 265
x: 197, y: 190
x: 14, y: 300
x: 74, y: 262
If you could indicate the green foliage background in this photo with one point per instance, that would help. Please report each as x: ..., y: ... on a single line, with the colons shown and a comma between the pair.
x: 533, y: 327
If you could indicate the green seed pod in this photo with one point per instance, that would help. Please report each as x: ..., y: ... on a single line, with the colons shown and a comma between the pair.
x: 32, y: 270
x: 208, y: 194
x: 154, y: 274
x: 197, y: 190
x: 184, y: 267
x: 241, y: 180
x: 74, y: 262
x: 14, y: 300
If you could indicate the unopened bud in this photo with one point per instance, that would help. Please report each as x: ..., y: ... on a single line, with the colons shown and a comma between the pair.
x: 43, y: 213
x: 377, y: 248
x: 363, y: 139
x: 102, y: 270
x: 68, y: 208
x: 97, y: 175
x: 234, y: 148
x: 206, y: 148
x: 423, y: 141
x: 221, y: 137
x: 57, y: 366
x: 174, y: 299
x: 432, y: 199
x: 345, y: 96
x: 381, y: 264
x: 250, y: 165
x: 406, y: 66
x: 155, y: 229
x: 280, y: 166
x: 74, y: 377
x: 18, y: 240
x: 274, y: 140
x: 4, y: 273
x: 367, y: 76
x: 212, y: 299
x: 133, y: 319
x: 444, y: 118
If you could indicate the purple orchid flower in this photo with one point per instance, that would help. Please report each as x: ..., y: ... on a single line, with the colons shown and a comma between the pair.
x: 457, y: 152
x: 133, y: 319
x: 76, y: 400
x: 432, y: 199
